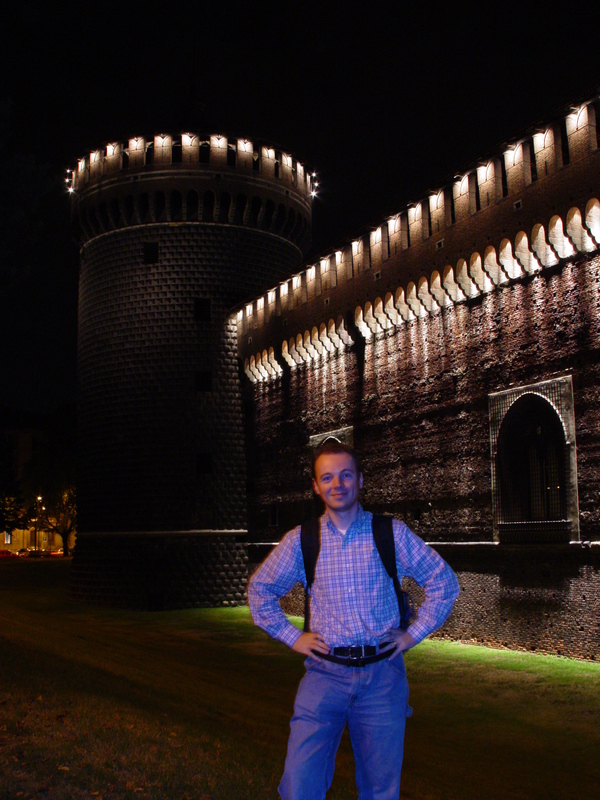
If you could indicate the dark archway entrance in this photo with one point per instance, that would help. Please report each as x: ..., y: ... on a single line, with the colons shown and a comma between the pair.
x: 532, y: 473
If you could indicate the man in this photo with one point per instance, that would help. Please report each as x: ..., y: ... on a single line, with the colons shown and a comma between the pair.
x: 352, y: 604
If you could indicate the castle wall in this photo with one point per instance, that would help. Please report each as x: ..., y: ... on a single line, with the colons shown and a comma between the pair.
x: 160, y: 419
x: 153, y: 572
x: 496, y: 222
x: 489, y: 284
x: 417, y: 398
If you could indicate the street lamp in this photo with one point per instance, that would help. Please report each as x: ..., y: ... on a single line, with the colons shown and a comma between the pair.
x: 38, y: 500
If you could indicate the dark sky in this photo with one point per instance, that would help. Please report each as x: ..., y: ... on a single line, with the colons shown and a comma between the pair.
x: 383, y: 101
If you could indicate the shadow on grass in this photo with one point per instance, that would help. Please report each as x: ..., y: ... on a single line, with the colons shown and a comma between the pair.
x: 196, y: 703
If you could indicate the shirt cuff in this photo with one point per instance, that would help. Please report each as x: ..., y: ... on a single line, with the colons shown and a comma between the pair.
x: 290, y: 635
x: 418, y: 632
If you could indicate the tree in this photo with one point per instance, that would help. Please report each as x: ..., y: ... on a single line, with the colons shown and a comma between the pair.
x: 61, y: 515
x: 12, y: 509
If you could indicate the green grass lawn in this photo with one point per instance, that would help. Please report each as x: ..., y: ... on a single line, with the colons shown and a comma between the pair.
x: 98, y: 703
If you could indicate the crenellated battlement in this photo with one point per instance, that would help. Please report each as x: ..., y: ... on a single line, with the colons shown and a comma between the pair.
x: 503, y: 219
x: 193, y: 178
x: 193, y: 151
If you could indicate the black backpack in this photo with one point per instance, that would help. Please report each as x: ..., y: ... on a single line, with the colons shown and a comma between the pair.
x: 383, y: 533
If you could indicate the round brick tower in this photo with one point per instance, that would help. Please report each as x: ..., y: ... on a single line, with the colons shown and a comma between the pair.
x: 174, y: 233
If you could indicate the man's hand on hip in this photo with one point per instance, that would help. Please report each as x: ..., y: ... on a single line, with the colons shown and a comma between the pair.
x: 309, y: 642
x: 402, y: 639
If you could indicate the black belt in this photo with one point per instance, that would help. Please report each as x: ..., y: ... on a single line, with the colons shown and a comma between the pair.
x: 357, y: 656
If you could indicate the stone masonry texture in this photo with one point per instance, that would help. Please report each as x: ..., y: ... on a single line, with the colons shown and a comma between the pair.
x: 170, y: 244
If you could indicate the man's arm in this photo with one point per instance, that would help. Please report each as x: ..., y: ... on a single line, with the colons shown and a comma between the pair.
x: 420, y: 562
x: 278, y: 573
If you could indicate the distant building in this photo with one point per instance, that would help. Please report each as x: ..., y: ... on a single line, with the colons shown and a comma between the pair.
x: 35, y: 455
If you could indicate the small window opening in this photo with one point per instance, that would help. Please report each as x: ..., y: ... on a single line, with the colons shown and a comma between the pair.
x: 192, y: 205
x: 129, y: 209
x: 231, y: 153
x: 159, y: 207
x: 203, y: 381
x: 564, y: 142
x: 150, y: 252
x: 532, y: 162
x: 204, y: 153
x: 202, y: 309
x: 503, y: 177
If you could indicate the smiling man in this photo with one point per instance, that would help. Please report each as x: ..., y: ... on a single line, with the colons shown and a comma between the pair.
x: 355, y: 672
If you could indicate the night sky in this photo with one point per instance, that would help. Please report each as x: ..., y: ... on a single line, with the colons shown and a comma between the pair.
x: 384, y: 102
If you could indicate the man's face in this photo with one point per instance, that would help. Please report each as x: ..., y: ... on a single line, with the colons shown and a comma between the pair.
x: 337, y: 481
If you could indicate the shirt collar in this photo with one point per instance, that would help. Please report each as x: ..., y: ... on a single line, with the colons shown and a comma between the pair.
x: 357, y: 523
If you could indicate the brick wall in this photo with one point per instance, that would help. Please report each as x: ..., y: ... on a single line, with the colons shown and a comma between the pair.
x: 160, y: 418
x: 152, y: 572
x: 418, y: 400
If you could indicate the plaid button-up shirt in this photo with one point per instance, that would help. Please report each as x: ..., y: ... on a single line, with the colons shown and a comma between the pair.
x: 352, y: 597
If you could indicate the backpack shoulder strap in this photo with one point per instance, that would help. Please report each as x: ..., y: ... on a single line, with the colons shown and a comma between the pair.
x: 310, y: 542
x: 383, y: 534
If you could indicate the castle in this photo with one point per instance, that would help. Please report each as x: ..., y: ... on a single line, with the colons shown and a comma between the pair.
x: 456, y: 344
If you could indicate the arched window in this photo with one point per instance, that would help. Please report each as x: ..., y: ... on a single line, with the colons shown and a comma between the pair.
x: 115, y: 212
x: 176, y: 206
x: 240, y: 209
x: 93, y: 220
x: 291, y: 219
x: 160, y: 213
x: 191, y: 206
x: 255, y: 209
x: 231, y: 152
x: 128, y: 209
x: 144, y: 208
x: 224, y: 207
x: 531, y: 462
x: 204, y: 152
x: 268, y: 216
x: 532, y: 472
x: 208, y: 207
x: 280, y: 218
x: 103, y: 216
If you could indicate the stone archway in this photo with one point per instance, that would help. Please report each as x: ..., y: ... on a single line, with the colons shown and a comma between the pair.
x: 534, y: 481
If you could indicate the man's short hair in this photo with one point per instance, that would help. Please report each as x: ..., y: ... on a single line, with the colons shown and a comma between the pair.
x: 333, y: 445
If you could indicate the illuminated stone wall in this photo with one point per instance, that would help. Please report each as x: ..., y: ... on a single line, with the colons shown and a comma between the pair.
x: 418, y: 401
x: 542, y: 599
x: 402, y: 334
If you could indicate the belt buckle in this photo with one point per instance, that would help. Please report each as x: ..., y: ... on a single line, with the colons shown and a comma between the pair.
x: 356, y: 656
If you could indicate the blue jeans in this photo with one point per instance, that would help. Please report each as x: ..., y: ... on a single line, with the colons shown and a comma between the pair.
x: 373, y: 702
